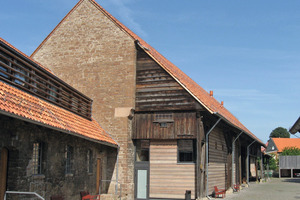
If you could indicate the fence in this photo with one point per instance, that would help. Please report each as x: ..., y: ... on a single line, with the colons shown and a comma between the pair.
x: 288, y: 163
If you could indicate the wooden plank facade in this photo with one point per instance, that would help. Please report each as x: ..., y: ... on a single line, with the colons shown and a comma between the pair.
x: 156, y: 90
x: 169, y: 179
x: 217, y: 158
x: 166, y: 113
x: 171, y: 125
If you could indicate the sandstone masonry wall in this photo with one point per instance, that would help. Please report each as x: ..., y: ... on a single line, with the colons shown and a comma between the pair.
x: 19, y: 136
x: 88, y: 51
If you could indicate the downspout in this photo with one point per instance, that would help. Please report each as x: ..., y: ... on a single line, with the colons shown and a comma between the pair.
x: 206, y: 154
x: 232, y: 161
x: 261, y: 165
x: 117, y: 172
x: 248, y: 161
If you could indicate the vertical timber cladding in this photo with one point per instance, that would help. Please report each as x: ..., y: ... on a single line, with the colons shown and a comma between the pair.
x: 217, y: 158
x: 156, y: 90
x: 237, y: 178
x: 168, y: 179
x: 182, y: 126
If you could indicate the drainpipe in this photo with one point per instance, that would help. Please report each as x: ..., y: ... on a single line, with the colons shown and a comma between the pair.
x: 261, y: 166
x: 248, y: 161
x: 206, y: 154
x: 117, y: 172
x: 232, y: 162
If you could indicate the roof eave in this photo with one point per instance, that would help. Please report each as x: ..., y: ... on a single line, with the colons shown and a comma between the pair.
x: 296, y: 127
x: 57, y: 129
x: 250, y: 135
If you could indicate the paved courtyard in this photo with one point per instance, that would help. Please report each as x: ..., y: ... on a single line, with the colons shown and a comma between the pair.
x: 285, y: 189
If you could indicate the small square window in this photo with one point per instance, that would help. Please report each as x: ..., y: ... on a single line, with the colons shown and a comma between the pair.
x: 186, y: 151
x: 142, y: 150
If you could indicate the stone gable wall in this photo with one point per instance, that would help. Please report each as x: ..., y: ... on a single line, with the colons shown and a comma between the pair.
x: 92, y: 54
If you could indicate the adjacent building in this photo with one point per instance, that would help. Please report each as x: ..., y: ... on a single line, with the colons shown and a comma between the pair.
x: 288, y: 165
x: 275, y: 146
x: 49, y: 143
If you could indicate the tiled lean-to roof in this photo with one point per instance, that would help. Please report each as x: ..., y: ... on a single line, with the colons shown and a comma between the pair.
x: 203, y: 97
x: 281, y: 143
x: 19, y: 104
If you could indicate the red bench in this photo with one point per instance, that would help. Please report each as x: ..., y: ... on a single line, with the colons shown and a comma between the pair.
x: 85, y: 195
x: 236, y: 187
x: 219, y: 192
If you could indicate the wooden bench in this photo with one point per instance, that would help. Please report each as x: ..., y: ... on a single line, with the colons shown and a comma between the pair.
x: 85, y: 195
x: 219, y: 192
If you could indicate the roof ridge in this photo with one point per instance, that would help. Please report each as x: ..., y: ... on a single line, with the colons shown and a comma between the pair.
x: 201, y: 95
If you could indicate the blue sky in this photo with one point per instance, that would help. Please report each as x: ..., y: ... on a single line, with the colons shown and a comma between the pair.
x: 247, y: 52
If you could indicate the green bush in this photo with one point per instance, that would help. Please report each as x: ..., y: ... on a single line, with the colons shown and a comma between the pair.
x: 290, y: 151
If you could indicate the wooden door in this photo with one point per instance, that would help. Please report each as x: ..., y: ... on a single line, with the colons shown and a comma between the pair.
x: 98, y: 176
x: 3, y: 171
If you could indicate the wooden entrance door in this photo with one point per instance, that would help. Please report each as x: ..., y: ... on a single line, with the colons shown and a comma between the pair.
x: 3, y: 171
x: 98, y: 176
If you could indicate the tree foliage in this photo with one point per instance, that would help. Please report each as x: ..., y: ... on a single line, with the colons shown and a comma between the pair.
x: 290, y: 151
x: 273, y: 164
x: 280, y: 132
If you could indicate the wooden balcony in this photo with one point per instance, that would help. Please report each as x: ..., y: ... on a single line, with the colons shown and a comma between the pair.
x: 23, y: 73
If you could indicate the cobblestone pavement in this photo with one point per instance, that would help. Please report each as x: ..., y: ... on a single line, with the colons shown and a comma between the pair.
x: 281, y: 189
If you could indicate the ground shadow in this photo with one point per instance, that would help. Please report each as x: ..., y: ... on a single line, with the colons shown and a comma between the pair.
x: 292, y: 180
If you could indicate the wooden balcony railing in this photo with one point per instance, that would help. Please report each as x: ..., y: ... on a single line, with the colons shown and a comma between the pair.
x: 23, y: 73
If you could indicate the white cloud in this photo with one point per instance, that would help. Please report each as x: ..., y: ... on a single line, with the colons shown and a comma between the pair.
x: 126, y: 14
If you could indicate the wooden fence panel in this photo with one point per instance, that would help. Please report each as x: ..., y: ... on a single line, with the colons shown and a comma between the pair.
x: 289, y: 162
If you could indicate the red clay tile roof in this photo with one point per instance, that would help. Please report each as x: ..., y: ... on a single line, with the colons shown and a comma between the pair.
x: 203, y: 97
x: 16, y: 102
x: 19, y: 104
x: 281, y: 143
